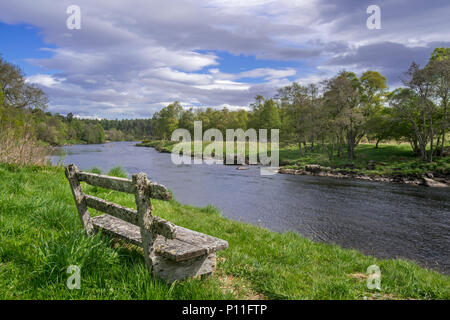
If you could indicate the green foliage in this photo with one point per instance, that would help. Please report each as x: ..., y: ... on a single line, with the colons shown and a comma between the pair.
x: 166, y: 120
x: 267, y: 115
x: 126, y: 129
x: 2, y: 98
x: 17, y: 93
x: 440, y: 54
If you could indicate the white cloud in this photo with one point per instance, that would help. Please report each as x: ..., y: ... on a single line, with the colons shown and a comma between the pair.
x: 43, y: 80
x: 131, y: 58
x: 268, y: 73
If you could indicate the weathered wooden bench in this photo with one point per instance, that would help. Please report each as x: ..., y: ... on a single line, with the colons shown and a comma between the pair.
x: 171, y: 252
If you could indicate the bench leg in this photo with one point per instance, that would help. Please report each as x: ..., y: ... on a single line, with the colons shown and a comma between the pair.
x: 171, y: 271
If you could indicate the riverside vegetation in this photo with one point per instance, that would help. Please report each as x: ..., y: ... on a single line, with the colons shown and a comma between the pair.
x: 348, y: 125
x: 388, y: 162
x: 37, y: 246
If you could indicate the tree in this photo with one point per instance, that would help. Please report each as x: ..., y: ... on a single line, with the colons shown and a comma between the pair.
x: 237, y: 120
x: 409, y: 108
x: 186, y: 121
x: 269, y: 116
x: 440, y: 54
x: 301, y: 114
x: 351, y: 101
x: 167, y: 120
x: 438, y: 72
x: 415, y: 104
x: 17, y: 93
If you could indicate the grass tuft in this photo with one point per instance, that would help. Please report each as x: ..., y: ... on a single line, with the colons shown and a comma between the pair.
x: 117, y: 171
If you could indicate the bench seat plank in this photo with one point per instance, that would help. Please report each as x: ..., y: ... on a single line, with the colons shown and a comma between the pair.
x: 116, y: 227
x: 210, y: 243
x: 188, y: 244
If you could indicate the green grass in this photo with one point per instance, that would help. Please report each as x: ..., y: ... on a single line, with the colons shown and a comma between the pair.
x: 390, y: 159
x: 41, y: 235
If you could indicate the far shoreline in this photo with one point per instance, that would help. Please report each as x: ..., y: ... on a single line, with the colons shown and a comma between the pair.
x: 428, y: 179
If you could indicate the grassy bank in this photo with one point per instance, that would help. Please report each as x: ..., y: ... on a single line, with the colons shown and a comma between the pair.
x: 387, y: 159
x: 40, y: 236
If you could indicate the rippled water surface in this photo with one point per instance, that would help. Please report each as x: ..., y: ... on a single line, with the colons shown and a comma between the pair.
x: 381, y: 219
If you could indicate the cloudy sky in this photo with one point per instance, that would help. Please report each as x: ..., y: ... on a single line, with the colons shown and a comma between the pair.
x: 131, y: 58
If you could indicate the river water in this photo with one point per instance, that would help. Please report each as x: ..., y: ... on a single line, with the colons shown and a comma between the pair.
x: 381, y: 219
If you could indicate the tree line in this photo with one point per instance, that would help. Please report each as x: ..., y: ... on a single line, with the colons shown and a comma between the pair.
x: 336, y: 114
x: 22, y: 111
x: 332, y: 116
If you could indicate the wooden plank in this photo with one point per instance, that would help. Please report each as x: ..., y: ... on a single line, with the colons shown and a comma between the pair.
x: 116, y: 210
x: 124, y: 229
x: 160, y: 226
x: 80, y: 199
x: 157, y: 191
x: 177, y: 250
x: 210, y: 243
x: 117, y: 228
x: 113, y: 183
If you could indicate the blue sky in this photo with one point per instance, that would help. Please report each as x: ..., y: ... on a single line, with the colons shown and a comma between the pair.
x: 21, y: 42
x: 130, y: 60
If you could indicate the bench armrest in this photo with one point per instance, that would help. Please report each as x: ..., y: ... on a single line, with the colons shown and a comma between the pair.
x: 163, y: 227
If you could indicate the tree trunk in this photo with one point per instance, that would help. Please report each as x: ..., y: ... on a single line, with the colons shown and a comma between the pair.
x: 443, y: 140
x: 300, y: 150
x: 431, y: 137
x: 350, y: 151
x: 438, y: 142
x: 331, y: 151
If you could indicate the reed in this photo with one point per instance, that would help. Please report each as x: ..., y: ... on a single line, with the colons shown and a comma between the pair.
x: 20, y: 147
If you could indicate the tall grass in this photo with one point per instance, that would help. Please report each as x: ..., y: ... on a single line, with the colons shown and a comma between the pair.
x: 20, y: 147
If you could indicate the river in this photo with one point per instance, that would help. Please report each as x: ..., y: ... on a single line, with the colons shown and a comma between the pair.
x: 380, y: 219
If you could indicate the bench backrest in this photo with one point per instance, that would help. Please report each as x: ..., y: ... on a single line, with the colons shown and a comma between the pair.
x: 142, y: 189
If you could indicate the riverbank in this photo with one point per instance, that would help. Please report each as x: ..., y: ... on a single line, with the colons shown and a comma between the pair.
x: 387, y: 163
x: 428, y: 179
x: 40, y: 235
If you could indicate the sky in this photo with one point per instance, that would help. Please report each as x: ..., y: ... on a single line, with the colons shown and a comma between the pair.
x: 131, y: 58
